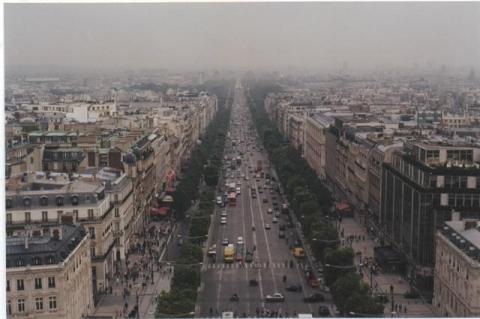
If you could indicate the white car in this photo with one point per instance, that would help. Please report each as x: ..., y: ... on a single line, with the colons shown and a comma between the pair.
x: 223, y: 220
x: 276, y: 297
x: 240, y: 241
x: 238, y: 190
x: 224, y: 213
x: 274, y: 220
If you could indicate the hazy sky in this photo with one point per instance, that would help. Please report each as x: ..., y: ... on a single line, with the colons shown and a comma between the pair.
x: 242, y: 35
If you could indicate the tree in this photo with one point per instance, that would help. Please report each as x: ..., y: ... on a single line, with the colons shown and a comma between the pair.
x: 340, y: 260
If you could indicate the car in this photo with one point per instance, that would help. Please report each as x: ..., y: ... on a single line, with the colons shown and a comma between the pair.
x: 260, y: 191
x: 219, y: 200
x: 274, y: 203
x: 238, y: 190
x: 224, y: 213
x: 275, y: 220
x: 225, y: 242
x: 275, y: 297
x: 240, y: 241
x: 270, y: 211
x: 267, y: 226
x: 323, y: 311
x: 294, y: 288
x: 254, y: 195
x: 265, y: 186
x: 223, y: 220
x: 212, y: 251
x: 277, y: 214
x: 265, y: 200
x: 281, y: 227
x: 316, y: 297
x: 281, y: 234
x: 248, y: 257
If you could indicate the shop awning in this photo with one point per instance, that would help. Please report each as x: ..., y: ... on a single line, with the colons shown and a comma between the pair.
x: 342, y: 207
x: 162, y: 211
x: 167, y: 199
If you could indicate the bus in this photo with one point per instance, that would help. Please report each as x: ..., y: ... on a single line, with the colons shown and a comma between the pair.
x: 232, y: 199
x: 229, y: 253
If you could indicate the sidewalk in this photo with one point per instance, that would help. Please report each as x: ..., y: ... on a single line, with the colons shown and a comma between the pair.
x: 136, y: 278
x: 383, y: 281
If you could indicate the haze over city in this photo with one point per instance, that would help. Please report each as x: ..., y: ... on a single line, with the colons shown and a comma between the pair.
x: 243, y: 35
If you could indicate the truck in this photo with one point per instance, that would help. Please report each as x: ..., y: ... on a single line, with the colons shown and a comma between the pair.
x: 229, y: 254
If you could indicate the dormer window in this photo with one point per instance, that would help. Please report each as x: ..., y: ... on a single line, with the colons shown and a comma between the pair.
x: 36, y: 261
x: 27, y: 201
x: 59, y: 201
x: 20, y: 262
x: 44, y: 200
x: 74, y: 200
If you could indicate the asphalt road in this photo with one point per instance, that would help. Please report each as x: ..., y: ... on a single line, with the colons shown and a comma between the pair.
x: 272, y: 255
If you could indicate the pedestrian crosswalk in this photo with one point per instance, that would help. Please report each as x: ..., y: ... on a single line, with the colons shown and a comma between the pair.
x: 258, y: 265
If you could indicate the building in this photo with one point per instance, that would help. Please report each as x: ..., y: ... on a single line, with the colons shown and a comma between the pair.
x: 420, y: 188
x: 49, y: 273
x: 457, y: 269
x: 315, y: 143
x: 53, y: 199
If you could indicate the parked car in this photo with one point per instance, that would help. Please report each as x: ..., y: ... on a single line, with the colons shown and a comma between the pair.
x: 276, y: 297
x: 267, y: 226
x: 223, y: 221
x: 225, y: 242
x: 275, y: 220
x: 270, y: 211
x: 281, y: 234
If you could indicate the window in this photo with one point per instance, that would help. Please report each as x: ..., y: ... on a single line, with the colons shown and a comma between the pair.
x: 9, y: 307
x: 38, y: 283
x: 21, y: 305
x: 91, y: 230
x: 44, y: 216
x: 20, y: 284
x: 117, y: 212
x: 115, y: 198
x: 74, y: 200
x: 93, y: 251
x: 27, y: 201
x: 51, y: 282
x: 59, y: 201
x: 52, y: 302
x: 8, y: 285
x: 9, y: 218
x: 38, y: 303
x: 90, y: 214
x: 27, y: 218
x: 44, y: 201
x: 9, y: 203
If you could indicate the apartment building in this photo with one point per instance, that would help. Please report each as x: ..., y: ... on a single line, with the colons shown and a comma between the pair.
x: 420, y: 188
x: 315, y: 142
x: 53, y: 199
x: 457, y: 269
x: 49, y: 273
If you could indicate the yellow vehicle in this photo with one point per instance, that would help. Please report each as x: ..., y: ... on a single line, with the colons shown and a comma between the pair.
x: 229, y: 254
x: 298, y: 252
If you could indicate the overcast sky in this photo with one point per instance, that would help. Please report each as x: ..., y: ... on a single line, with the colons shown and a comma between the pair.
x: 249, y: 35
